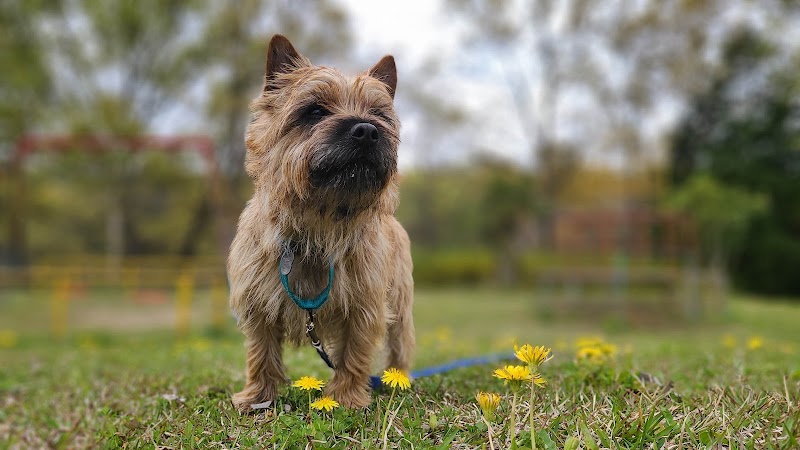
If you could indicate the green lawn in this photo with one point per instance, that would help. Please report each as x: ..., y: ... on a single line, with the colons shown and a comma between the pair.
x: 678, y: 387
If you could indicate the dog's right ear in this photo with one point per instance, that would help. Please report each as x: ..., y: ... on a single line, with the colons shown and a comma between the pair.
x: 281, y: 58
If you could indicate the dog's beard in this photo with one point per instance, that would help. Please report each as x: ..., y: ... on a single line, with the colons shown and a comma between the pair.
x: 342, y: 168
x: 343, y: 165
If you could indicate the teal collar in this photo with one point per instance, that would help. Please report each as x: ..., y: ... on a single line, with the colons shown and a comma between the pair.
x: 285, y: 267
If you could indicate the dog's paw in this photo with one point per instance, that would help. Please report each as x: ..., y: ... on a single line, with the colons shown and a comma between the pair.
x: 248, y: 402
x: 355, y: 397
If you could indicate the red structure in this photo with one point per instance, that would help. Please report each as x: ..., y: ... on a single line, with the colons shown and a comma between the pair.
x: 643, y: 231
x: 30, y: 144
x: 99, y: 143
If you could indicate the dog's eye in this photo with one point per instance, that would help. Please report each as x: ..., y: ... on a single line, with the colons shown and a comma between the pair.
x: 379, y: 113
x: 317, y: 112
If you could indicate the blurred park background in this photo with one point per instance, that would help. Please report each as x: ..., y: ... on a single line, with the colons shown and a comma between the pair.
x: 632, y: 162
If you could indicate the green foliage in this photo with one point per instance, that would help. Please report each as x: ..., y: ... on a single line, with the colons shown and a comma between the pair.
x: 750, y: 140
x: 25, y: 81
x: 74, y: 196
x: 439, y: 208
x: 721, y: 213
x: 453, y: 267
x: 507, y: 203
x: 484, y: 206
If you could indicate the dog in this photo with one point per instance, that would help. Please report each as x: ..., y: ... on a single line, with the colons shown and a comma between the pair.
x: 322, y: 154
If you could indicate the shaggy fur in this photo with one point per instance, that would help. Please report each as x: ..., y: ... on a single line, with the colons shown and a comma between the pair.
x: 320, y: 185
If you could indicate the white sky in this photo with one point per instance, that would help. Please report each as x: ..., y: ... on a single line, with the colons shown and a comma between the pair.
x: 419, y: 32
x: 416, y: 31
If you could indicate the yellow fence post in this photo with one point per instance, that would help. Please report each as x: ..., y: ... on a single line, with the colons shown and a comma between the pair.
x: 130, y: 281
x: 219, y: 302
x: 59, y: 307
x: 184, y: 287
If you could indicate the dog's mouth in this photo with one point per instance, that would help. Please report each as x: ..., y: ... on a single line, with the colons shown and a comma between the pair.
x: 360, y: 174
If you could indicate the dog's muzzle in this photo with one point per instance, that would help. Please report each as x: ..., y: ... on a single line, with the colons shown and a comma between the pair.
x: 358, y: 159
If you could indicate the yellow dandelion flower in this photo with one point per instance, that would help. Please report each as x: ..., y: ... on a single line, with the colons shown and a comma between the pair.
x: 396, y: 378
x: 594, y: 349
x: 308, y: 383
x: 444, y: 335
x: 514, y: 373
x: 87, y: 343
x: 325, y: 403
x: 729, y: 341
x: 538, y: 380
x: 590, y: 354
x: 608, y: 349
x: 591, y: 341
x: 755, y: 343
x: 8, y: 338
x: 532, y: 355
x: 487, y: 401
x: 201, y: 345
x: 504, y: 342
x: 627, y: 350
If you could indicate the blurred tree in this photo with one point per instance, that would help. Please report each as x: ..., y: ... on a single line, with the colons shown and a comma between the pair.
x: 236, y: 35
x: 68, y: 195
x: 25, y: 83
x: 597, y: 186
x: 132, y: 53
x: 439, y: 210
x: 588, y: 75
x: 745, y: 131
x: 129, y: 67
x: 24, y: 77
x: 119, y: 68
x: 419, y: 90
x: 721, y: 214
x: 506, y: 208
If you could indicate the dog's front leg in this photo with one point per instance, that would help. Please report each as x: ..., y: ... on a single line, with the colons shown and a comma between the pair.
x: 264, y: 363
x: 350, y: 383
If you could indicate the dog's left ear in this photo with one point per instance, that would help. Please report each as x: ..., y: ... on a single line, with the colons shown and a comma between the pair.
x: 281, y: 58
x: 386, y: 72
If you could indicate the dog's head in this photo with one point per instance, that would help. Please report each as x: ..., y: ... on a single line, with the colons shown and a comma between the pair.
x: 322, y: 137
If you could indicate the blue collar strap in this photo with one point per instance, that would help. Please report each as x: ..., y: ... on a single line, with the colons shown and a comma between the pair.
x: 304, y: 303
x: 284, y: 268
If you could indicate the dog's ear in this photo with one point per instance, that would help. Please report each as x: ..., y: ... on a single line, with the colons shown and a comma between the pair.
x: 386, y: 72
x: 281, y: 58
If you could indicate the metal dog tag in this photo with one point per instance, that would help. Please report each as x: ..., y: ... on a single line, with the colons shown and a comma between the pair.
x: 286, y: 260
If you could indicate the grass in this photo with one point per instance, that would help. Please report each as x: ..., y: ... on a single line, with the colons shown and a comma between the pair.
x: 679, y: 387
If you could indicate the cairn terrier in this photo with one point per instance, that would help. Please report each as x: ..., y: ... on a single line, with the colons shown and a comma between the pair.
x: 322, y: 153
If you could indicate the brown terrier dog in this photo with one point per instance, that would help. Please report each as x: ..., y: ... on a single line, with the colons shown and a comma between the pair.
x: 322, y: 152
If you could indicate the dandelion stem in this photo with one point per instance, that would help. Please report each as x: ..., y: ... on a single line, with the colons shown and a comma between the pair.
x: 489, y: 432
x: 530, y: 413
x: 309, y: 406
x: 513, y: 426
x: 386, y: 418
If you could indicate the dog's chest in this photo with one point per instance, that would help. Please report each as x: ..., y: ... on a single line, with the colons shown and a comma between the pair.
x: 308, y: 278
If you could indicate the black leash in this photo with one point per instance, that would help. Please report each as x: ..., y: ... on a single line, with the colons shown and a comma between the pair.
x: 315, y: 342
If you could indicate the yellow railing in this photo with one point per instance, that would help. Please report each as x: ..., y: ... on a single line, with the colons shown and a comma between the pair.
x: 65, y: 283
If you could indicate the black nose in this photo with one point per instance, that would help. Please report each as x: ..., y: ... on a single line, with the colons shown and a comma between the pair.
x: 364, y: 133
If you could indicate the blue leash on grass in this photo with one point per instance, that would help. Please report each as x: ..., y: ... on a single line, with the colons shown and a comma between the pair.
x: 375, y: 381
